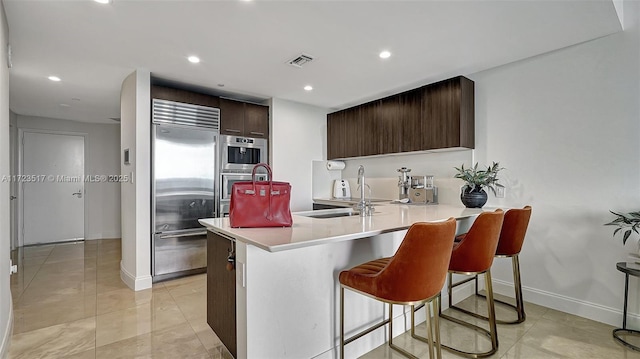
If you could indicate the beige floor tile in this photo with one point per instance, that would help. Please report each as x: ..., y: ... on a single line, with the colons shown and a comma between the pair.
x: 36, y: 260
x: 206, y: 335
x: 71, y: 265
x: 125, y: 298
x: 193, y: 306
x: 36, y: 251
x: 187, y: 286
x: 109, y: 282
x: 123, y: 324
x: 56, y: 341
x: 89, y: 354
x: 20, y: 281
x: 184, y: 280
x: 48, y: 292
x: 41, y: 315
x: 174, y: 342
x: 523, y: 351
x: 563, y: 338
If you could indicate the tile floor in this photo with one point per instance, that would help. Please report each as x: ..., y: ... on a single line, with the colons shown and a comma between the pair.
x: 69, y: 302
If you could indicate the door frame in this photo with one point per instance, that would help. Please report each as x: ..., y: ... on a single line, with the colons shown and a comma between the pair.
x: 20, y: 209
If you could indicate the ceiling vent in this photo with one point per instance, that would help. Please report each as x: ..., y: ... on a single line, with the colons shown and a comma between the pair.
x: 301, y: 60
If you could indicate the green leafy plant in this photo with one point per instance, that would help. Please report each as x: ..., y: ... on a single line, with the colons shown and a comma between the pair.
x: 630, y: 221
x: 476, y: 179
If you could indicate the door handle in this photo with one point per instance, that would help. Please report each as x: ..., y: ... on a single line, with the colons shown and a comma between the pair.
x: 202, y: 233
x: 79, y: 194
x: 11, y: 198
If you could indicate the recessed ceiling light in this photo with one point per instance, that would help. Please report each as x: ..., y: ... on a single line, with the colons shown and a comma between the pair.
x: 193, y: 59
x: 385, y: 54
x: 102, y: 1
x: 54, y: 78
x: 308, y: 88
x: 65, y: 105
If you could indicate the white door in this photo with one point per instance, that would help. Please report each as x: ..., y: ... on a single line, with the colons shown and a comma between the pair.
x: 52, y: 187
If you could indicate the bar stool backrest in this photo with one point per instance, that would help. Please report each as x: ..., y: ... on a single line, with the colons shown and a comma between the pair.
x: 514, y: 229
x: 419, y: 268
x: 474, y: 254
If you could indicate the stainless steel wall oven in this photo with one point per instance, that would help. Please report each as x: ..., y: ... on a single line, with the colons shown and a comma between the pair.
x: 240, y: 154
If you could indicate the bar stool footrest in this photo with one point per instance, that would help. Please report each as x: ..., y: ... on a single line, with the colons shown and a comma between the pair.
x: 521, y: 317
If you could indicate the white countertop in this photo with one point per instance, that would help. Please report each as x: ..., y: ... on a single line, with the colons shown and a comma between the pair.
x: 308, y: 231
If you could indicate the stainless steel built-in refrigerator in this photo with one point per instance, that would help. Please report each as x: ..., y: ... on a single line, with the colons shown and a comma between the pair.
x: 184, y: 185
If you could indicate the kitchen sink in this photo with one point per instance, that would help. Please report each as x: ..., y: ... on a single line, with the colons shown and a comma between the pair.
x: 329, y: 213
x: 356, y: 200
x: 333, y: 215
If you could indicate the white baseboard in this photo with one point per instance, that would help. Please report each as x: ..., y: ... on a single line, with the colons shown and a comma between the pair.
x: 582, y: 308
x: 133, y: 282
x: 6, y: 340
x: 96, y: 236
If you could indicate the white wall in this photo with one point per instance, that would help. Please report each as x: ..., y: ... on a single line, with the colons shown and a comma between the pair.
x: 102, y: 148
x: 565, y: 125
x: 135, y: 135
x: 13, y: 169
x: 298, y: 136
x: 6, y: 315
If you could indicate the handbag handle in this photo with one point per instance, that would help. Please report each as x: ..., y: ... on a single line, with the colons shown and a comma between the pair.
x: 253, y: 179
x: 255, y: 168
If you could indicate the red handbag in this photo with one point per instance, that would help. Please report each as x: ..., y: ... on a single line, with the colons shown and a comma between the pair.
x: 260, y: 203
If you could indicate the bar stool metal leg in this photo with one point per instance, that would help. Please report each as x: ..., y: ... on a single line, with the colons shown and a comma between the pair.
x: 430, y: 327
x: 518, y: 307
x: 492, y: 333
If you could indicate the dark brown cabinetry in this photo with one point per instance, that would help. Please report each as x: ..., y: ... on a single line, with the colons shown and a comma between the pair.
x: 221, y: 291
x: 435, y: 116
x: 448, y: 108
x: 243, y: 119
x: 184, y: 96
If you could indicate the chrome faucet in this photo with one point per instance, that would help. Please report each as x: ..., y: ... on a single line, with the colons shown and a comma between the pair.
x: 363, y: 206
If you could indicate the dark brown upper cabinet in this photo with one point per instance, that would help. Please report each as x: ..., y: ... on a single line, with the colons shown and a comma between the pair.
x: 412, y: 127
x: 184, y: 96
x: 448, y: 110
x: 344, y: 127
x: 243, y: 119
x: 435, y: 116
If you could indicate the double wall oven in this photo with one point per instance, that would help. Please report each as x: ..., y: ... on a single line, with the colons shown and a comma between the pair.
x: 238, y: 156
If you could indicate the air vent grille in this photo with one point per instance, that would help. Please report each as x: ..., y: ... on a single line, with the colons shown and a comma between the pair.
x: 185, y: 114
x: 301, y: 60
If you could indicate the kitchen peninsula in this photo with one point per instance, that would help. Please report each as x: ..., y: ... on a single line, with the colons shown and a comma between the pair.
x: 282, y: 298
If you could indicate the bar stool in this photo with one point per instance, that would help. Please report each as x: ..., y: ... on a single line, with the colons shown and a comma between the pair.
x: 473, y: 255
x: 413, y: 276
x: 514, y: 229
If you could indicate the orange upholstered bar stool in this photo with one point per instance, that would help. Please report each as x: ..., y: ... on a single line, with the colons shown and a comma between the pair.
x: 473, y: 255
x: 514, y: 229
x: 413, y: 276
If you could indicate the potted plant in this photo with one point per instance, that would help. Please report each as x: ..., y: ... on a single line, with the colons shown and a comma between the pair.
x: 473, y: 194
x: 629, y: 221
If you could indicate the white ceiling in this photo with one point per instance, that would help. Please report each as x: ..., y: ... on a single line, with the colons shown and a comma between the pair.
x: 245, y: 46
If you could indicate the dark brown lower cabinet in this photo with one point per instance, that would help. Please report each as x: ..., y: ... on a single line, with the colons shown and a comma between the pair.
x: 221, y: 291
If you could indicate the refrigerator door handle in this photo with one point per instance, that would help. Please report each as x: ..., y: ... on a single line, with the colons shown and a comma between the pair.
x: 192, y: 234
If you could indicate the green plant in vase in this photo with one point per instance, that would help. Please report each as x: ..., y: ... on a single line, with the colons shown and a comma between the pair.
x: 473, y: 194
x: 630, y: 222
